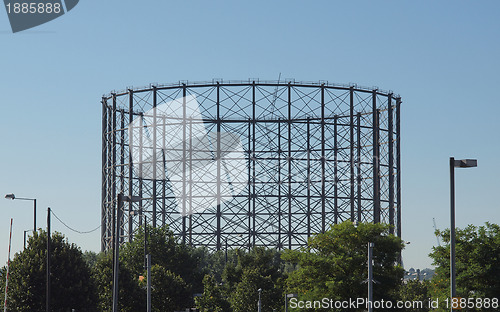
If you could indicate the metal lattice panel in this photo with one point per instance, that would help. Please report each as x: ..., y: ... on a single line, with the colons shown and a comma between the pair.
x: 315, y: 154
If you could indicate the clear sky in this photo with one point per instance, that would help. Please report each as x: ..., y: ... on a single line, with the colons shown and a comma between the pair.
x: 442, y: 57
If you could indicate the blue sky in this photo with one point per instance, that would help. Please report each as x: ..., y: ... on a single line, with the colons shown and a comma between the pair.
x: 442, y: 57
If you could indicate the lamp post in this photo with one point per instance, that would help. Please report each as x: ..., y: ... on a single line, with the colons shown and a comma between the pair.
x: 370, y: 277
x: 147, y: 258
x: 462, y: 163
x: 12, y: 196
x: 121, y: 198
x: 259, y: 306
x: 25, y: 238
x: 287, y: 296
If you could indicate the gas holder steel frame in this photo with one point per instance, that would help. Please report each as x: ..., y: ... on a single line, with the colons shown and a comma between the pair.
x: 316, y: 154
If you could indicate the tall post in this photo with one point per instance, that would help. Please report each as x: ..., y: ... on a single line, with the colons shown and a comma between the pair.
x: 47, y: 303
x: 8, y: 266
x: 148, y: 257
x: 370, y: 277
x: 146, y: 252
x: 34, y: 216
x: 116, y: 252
x: 259, y: 305
x: 225, y: 252
x: 452, y: 228
x: 351, y: 149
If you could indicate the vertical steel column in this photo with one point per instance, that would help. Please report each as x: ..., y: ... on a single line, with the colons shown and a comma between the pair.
x: 351, y: 147
x: 254, y: 177
x: 190, y: 184
x: 104, y: 214
x: 391, y: 163
x: 308, y: 178
x: 376, y: 160
x: 280, y: 211
x: 164, y: 174
x: 250, y: 195
x: 130, y: 162
x: 398, y: 164
x: 141, y: 152
x: 122, y: 169
x: 155, y: 165
x: 184, y: 163
x: 109, y: 172
x: 358, y: 161
x: 113, y: 168
x: 289, y: 161
x: 218, y: 157
x: 335, y: 170
x: 323, y: 161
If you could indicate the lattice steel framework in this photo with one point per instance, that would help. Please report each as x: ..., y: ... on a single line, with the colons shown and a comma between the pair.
x: 316, y: 154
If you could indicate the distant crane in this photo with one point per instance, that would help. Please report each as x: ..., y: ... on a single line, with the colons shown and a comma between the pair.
x: 435, y: 229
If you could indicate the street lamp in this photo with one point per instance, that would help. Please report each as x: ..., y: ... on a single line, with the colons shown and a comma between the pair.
x: 12, y: 196
x: 462, y: 163
x: 259, y: 307
x: 147, y: 258
x: 286, y: 300
x: 370, y: 276
x: 121, y: 198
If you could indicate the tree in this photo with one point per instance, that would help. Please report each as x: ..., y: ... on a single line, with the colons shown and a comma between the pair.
x: 71, y: 283
x: 415, y: 291
x: 131, y: 297
x: 246, y: 295
x: 212, y: 299
x: 334, y: 264
x: 259, y: 268
x: 477, y: 252
x: 165, y: 251
x: 169, y: 291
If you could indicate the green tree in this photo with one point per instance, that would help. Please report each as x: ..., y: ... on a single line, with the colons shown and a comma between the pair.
x: 212, y: 299
x: 260, y: 268
x: 169, y: 291
x: 165, y: 251
x: 334, y: 264
x: 131, y: 297
x: 71, y: 283
x: 477, y: 266
x: 415, y: 291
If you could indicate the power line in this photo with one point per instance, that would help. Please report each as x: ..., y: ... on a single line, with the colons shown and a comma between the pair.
x: 72, y: 229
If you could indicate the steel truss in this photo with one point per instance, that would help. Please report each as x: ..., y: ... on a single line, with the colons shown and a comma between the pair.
x: 316, y: 153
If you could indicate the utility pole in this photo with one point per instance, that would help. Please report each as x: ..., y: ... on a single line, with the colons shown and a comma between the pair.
x: 116, y: 252
x: 47, y: 305
x: 259, y: 307
x: 370, y: 277
x: 148, y: 257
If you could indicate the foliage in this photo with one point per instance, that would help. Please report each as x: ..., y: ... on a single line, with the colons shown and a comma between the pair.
x: 169, y: 292
x: 71, y: 284
x: 334, y: 264
x: 260, y: 268
x: 415, y: 291
x: 212, y: 299
x: 130, y: 296
x: 166, y: 252
x: 477, y: 254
